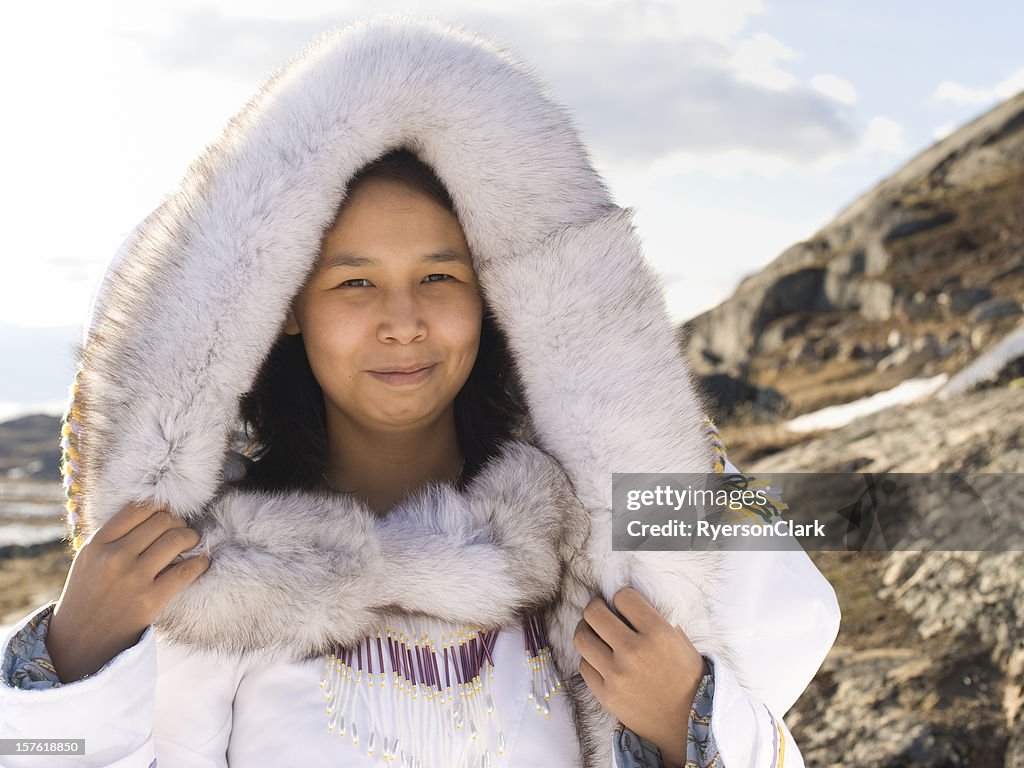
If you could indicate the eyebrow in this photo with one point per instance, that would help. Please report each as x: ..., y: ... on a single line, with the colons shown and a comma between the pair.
x: 345, y: 259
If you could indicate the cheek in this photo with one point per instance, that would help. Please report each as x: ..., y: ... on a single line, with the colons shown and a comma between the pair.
x: 332, y: 352
x: 461, y: 323
x: 331, y: 366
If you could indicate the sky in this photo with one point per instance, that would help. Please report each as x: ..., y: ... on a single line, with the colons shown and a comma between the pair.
x: 733, y: 129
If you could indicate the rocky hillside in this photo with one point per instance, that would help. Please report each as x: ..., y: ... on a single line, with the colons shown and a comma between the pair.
x: 922, y: 276
x: 928, y: 668
x: 917, y: 277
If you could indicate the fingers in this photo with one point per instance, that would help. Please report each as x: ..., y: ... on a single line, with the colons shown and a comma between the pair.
x: 607, y: 625
x: 169, y: 545
x: 179, y: 575
x: 148, y: 537
x: 124, y: 521
x: 593, y: 678
x: 637, y: 611
x: 592, y: 648
x: 149, y: 530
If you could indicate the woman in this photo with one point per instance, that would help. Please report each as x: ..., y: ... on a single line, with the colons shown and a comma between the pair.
x: 401, y: 538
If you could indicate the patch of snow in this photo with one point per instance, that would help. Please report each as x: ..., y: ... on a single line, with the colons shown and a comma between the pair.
x: 839, y: 415
x: 989, y: 364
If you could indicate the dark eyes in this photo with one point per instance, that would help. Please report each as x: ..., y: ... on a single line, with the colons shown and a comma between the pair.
x: 350, y: 283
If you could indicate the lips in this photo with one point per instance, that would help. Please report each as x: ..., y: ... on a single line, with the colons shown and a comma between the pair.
x: 406, y: 369
x: 414, y: 377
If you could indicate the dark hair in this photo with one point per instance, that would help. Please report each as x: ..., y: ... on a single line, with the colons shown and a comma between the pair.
x: 283, y: 414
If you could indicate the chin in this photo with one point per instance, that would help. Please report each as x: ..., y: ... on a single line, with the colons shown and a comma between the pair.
x: 407, y: 419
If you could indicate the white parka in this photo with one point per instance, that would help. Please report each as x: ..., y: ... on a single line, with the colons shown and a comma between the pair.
x: 231, y: 672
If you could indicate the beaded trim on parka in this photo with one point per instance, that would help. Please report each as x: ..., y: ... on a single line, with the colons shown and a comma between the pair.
x: 434, y: 683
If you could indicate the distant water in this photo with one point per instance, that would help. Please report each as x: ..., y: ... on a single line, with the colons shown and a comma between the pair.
x: 30, y: 512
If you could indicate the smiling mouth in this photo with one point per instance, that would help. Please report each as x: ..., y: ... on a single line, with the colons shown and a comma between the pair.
x: 399, y: 379
x: 405, y: 370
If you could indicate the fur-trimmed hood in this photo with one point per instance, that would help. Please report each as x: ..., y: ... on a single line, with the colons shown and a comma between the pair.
x: 198, y: 294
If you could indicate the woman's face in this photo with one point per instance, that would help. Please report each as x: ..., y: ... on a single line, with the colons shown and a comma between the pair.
x: 394, y: 289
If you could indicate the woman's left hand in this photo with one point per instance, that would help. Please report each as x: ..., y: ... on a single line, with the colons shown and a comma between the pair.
x: 644, y: 672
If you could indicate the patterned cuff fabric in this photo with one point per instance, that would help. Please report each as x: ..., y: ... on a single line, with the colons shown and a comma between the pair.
x: 633, y: 751
x: 701, y: 750
x: 26, y: 662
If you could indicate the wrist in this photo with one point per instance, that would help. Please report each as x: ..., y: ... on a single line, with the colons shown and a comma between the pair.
x: 671, y: 738
x: 76, y: 656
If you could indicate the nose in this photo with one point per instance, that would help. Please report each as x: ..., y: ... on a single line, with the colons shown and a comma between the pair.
x: 402, y: 319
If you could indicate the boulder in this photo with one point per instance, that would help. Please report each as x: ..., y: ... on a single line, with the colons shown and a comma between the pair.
x: 730, y: 396
x: 778, y: 332
x: 962, y: 299
x: 918, y: 224
x: 993, y: 308
x: 799, y: 291
x: 876, y: 300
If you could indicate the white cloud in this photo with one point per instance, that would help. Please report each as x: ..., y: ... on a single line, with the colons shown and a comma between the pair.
x: 1011, y: 86
x: 962, y: 94
x: 705, y: 251
x: 835, y: 87
x: 885, y: 135
x: 646, y: 79
x: 629, y: 19
x: 755, y: 61
x: 702, y: 251
x: 730, y: 164
x: 943, y: 131
x: 676, y: 87
x: 109, y: 134
x: 969, y: 96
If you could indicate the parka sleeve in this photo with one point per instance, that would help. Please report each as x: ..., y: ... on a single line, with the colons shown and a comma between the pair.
x: 152, y: 706
x: 782, y: 617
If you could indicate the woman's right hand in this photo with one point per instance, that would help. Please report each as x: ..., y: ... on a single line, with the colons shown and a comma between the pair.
x: 118, y: 584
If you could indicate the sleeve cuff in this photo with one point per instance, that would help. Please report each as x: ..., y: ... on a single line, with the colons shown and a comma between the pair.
x: 633, y: 751
x: 701, y: 749
x: 26, y: 661
x: 112, y: 709
x: 744, y: 730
